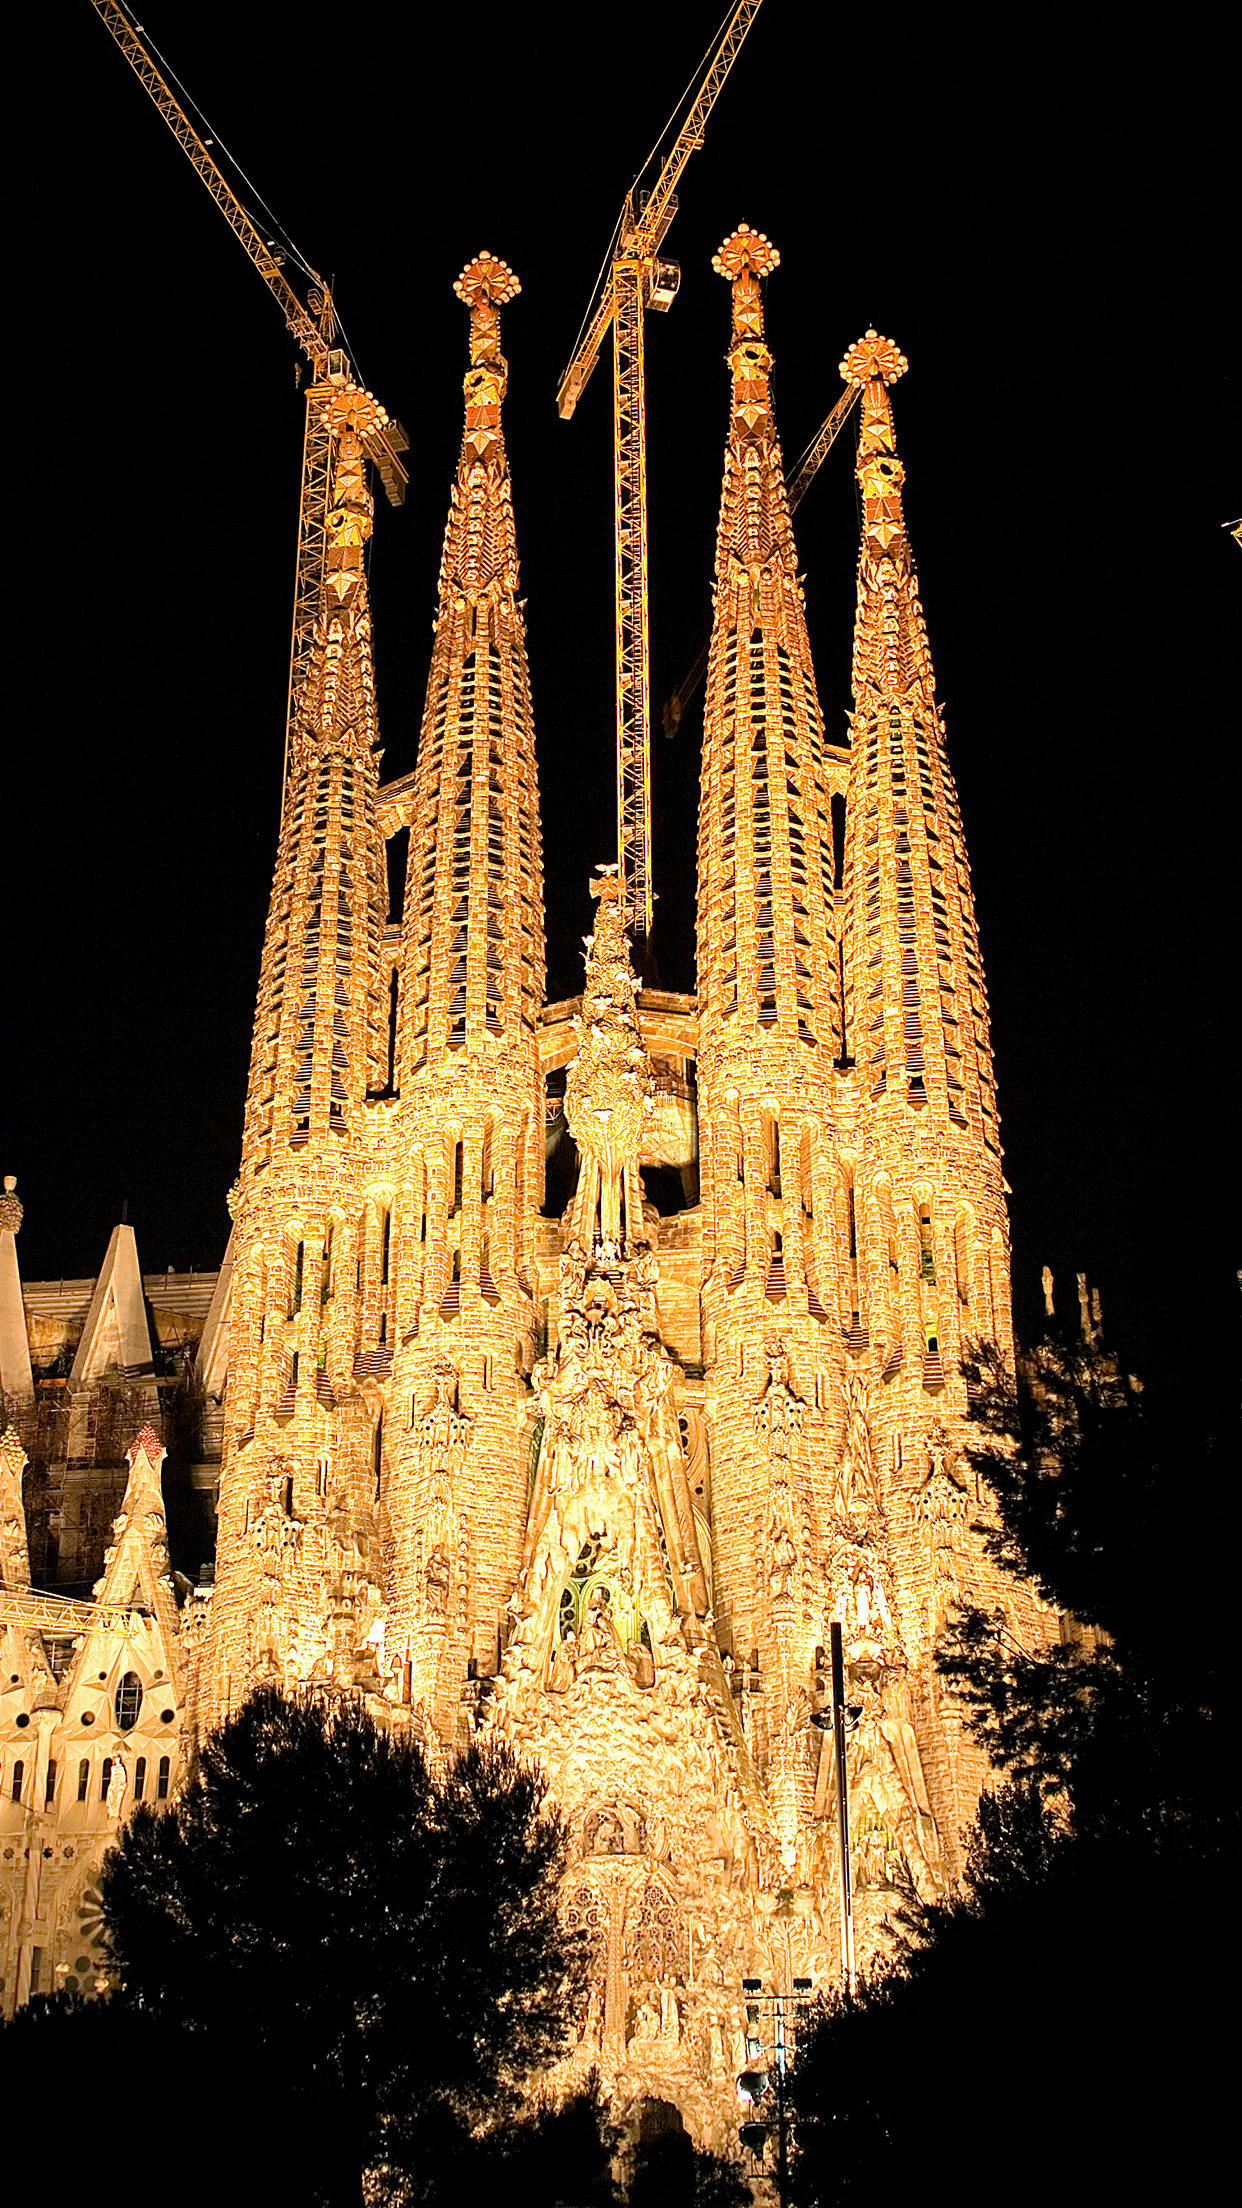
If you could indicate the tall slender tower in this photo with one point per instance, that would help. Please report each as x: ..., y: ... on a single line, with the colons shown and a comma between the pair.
x: 769, y: 1029
x: 470, y: 1174
x: 934, y: 1239
x: 929, y: 1272
x: 297, y: 1465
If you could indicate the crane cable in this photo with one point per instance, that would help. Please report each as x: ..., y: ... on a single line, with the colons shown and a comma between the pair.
x: 216, y: 143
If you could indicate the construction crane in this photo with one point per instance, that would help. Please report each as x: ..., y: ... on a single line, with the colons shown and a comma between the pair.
x: 796, y: 486
x: 634, y: 279
x: 334, y: 396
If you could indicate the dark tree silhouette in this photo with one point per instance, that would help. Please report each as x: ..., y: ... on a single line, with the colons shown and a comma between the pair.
x: 671, y: 2172
x: 371, y: 1961
x: 1059, y: 2024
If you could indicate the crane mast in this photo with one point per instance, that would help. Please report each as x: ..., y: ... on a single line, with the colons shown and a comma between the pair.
x: 638, y: 279
x: 334, y: 398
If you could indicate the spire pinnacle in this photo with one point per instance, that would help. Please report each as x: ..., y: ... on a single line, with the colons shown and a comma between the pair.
x: 890, y: 638
x: 766, y: 947
x: 475, y: 975
x: 745, y: 258
x: 485, y: 285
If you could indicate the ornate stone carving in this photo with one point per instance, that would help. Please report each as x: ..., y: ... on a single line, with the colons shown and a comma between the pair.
x: 940, y: 1506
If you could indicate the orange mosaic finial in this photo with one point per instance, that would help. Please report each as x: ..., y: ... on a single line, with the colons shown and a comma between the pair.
x: 745, y: 258
x: 148, y: 1445
x: 485, y: 285
x: 873, y: 359
x: 872, y: 363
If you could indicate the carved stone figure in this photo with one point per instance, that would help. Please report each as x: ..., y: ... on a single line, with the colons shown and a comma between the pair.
x: 436, y: 1581
x: 894, y: 1839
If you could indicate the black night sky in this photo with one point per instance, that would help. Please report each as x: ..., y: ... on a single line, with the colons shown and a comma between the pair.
x: 1035, y: 209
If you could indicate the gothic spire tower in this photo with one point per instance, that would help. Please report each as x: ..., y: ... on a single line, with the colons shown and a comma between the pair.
x: 319, y: 1059
x: 935, y: 1238
x: 769, y: 1028
x: 929, y: 1268
x: 472, y: 941
x: 471, y: 993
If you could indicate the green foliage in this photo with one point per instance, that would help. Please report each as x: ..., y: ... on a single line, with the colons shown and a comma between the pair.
x: 377, y: 1953
x: 1056, y: 2024
x: 671, y: 2172
x: 560, y: 2155
x: 1102, y: 1490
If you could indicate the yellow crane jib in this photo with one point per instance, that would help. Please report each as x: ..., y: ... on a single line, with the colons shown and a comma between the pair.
x: 333, y: 395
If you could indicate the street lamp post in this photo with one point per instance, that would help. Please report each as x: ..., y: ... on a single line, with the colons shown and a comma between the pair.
x: 843, y: 1812
x: 822, y: 1719
x: 775, y: 2045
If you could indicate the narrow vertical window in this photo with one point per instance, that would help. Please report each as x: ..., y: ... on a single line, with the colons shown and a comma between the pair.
x: 161, y: 1784
x: 19, y: 1773
x: 105, y: 1778
x: 140, y: 1778
x: 36, y: 1969
x: 49, y: 1783
x: 84, y: 1778
x: 519, y: 1197
x: 961, y: 1259
x: 127, y: 1702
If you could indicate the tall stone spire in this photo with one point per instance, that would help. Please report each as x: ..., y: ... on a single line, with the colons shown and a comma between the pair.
x: 767, y: 961
x: 320, y: 1039
x: 920, y: 1030
x: 311, y: 1240
x: 934, y: 1247
x: 473, y: 928
x: 768, y: 1039
x: 471, y: 1110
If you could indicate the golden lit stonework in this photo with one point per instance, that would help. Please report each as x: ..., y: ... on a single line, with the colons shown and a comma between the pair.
x: 602, y: 1474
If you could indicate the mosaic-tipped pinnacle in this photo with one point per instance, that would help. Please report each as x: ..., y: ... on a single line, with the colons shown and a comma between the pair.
x: 745, y: 248
x: 485, y: 277
x: 873, y: 357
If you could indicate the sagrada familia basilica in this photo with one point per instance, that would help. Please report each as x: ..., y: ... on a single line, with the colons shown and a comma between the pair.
x: 605, y: 1481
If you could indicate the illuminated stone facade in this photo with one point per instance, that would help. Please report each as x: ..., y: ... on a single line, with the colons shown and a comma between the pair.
x: 605, y: 1480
